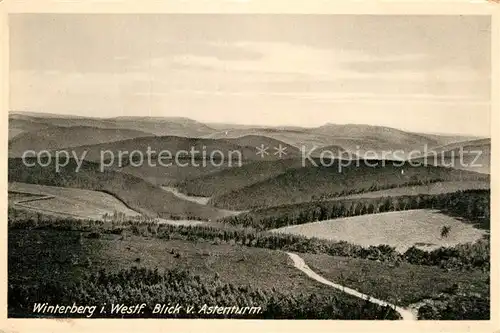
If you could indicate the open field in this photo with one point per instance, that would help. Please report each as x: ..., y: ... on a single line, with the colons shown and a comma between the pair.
x: 136, y: 193
x: 402, y: 230
x: 69, y: 201
x: 102, y: 268
x: 22, y: 197
x: 432, y: 188
x: 36, y: 261
x: 402, y: 284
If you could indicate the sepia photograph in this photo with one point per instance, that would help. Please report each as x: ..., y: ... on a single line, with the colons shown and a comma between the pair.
x: 249, y: 166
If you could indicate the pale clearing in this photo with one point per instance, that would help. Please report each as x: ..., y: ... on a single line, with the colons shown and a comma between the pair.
x: 434, y: 188
x: 174, y: 191
x: 401, y: 230
x: 198, y: 200
x: 69, y: 201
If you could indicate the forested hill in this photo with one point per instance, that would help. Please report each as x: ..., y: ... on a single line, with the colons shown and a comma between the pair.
x: 318, y: 182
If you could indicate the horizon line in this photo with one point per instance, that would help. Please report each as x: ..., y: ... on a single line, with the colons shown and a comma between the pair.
x: 65, y: 115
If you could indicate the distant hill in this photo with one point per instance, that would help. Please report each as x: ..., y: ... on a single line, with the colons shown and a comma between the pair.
x: 134, y: 192
x: 177, y: 126
x: 20, y: 124
x: 312, y: 183
x: 293, y: 137
x: 445, y: 139
x: 42, y: 115
x: 465, y: 143
x: 227, y: 126
x: 473, y: 155
x: 221, y: 151
x: 356, y: 139
x: 380, y: 141
x: 365, y: 137
x: 162, y: 126
x: 63, y: 137
x: 254, y: 141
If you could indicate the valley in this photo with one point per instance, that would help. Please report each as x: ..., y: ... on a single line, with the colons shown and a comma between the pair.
x: 271, y: 228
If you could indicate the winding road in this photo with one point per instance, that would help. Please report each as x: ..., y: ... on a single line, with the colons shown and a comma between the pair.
x: 300, y: 264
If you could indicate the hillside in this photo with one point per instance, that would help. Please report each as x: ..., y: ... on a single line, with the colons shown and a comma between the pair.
x: 64, y: 137
x: 354, y: 138
x: 67, y: 202
x: 153, y: 125
x: 232, y: 179
x: 446, y: 139
x: 469, y: 206
x: 223, y: 151
x: 254, y: 141
x: 174, y: 126
x: 473, y: 155
x: 134, y: 192
x: 312, y: 183
x: 460, y: 144
x: 294, y: 137
x: 20, y: 124
x: 377, y: 138
x: 172, y: 174
x: 53, y: 120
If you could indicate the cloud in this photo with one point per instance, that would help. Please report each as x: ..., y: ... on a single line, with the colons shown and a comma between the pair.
x: 196, y: 64
x: 328, y: 97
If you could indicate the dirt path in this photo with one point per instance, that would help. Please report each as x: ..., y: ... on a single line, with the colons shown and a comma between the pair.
x: 24, y: 204
x: 300, y: 264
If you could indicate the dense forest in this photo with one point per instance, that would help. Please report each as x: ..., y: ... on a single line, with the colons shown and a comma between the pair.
x: 231, y: 179
x: 456, y: 306
x: 471, y: 205
x: 140, y: 285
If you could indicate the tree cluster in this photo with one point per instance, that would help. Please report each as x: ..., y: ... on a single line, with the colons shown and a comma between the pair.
x: 141, y: 285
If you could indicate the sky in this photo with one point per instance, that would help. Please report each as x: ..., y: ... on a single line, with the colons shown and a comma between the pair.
x: 419, y: 73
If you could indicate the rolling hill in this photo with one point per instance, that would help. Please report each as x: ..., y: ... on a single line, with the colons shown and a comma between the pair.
x: 473, y: 155
x: 254, y: 141
x: 19, y: 124
x: 446, y: 139
x: 173, y: 126
x: 134, y: 192
x: 222, y: 150
x: 293, y: 137
x: 315, y: 182
x: 354, y: 138
x: 232, y: 179
x: 177, y: 126
x: 62, y: 137
x: 380, y: 141
x: 172, y: 174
